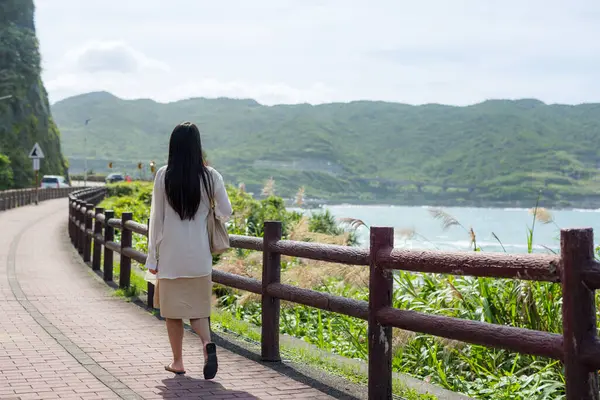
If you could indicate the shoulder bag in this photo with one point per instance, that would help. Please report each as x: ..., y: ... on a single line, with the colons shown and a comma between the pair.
x: 218, y: 236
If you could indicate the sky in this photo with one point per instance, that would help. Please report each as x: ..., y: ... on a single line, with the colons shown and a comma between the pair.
x: 455, y: 52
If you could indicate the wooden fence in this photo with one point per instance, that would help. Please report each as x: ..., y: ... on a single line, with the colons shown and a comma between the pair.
x: 21, y: 197
x: 92, y: 231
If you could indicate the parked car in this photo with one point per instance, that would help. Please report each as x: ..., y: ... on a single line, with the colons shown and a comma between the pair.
x: 54, y: 182
x: 113, y: 178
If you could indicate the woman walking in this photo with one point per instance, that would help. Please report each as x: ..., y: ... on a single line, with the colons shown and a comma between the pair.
x: 178, y: 242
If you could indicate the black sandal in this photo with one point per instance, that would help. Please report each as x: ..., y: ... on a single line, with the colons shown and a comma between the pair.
x: 211, y: 366
x: 171, y: 369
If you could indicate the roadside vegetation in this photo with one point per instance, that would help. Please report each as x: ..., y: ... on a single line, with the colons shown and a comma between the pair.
x: 473, y: 370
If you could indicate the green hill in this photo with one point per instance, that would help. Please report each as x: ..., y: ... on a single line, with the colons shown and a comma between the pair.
x: 25, y: 117
x: 496, y: 151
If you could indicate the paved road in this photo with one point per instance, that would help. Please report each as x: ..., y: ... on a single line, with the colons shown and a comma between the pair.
x: 64, y: 335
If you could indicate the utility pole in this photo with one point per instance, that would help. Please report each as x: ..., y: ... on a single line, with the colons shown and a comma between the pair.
x: 85, y: 167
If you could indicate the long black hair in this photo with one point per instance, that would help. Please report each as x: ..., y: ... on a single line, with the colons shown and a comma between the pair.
x: 185, y: 170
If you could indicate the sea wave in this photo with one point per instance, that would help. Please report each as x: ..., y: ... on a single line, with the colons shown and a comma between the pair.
x: 464, y: 245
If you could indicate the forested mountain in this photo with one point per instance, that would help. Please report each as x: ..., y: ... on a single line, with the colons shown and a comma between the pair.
x: 363, y: 151
x: 25, y: 117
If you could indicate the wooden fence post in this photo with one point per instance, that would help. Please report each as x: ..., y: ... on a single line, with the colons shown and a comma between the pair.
x: 150, y: 286
x: 109, y: 236
x: 97, y: 255
x: 82, y: 236
x: 579, y: 314
x: 126, y: 242
x: 71, y: 224
x: 80, y: 222
x: 2, y: 203
x: 74, y: 212
x: 101, y: 195
x: 87, y: 240
x: 271, y: 273
x: 380, y: 337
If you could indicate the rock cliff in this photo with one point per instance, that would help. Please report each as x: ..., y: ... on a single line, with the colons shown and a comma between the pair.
x: 25, y: 118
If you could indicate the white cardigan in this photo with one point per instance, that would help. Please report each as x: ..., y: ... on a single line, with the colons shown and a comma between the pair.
x: 184, y: 247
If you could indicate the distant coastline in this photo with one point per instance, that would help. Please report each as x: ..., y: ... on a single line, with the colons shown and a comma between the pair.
x: 521, y: 204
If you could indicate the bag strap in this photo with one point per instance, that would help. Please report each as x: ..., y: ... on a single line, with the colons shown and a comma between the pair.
x: 212, y: 195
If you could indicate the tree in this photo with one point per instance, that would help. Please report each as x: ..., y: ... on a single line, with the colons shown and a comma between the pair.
x: 6, y: 173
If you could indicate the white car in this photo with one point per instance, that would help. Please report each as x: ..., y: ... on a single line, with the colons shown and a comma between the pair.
x: 53, y: 182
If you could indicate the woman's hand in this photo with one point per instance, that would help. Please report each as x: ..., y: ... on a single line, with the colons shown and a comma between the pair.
x: 153, y: 271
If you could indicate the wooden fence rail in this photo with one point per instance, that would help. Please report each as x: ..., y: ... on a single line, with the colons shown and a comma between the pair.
x: 10, y: 199
x: 575, y: 270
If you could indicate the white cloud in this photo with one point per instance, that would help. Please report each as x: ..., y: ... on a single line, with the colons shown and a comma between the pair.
x: 109, y: 56
x: 456, y: 52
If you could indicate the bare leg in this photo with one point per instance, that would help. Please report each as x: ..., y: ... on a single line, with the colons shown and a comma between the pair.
x: 202, y: 329
x: 175, y: 331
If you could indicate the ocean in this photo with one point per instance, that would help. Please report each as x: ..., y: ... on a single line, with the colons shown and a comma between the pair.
x: 508, y: 224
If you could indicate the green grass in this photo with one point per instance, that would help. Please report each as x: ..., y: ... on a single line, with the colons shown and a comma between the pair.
x: 137, y: 283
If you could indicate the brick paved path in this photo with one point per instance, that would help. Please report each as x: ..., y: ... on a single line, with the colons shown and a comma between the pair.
x: 64, y: 336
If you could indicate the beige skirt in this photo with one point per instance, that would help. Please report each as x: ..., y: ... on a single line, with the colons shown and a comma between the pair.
x: 184, y: 298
